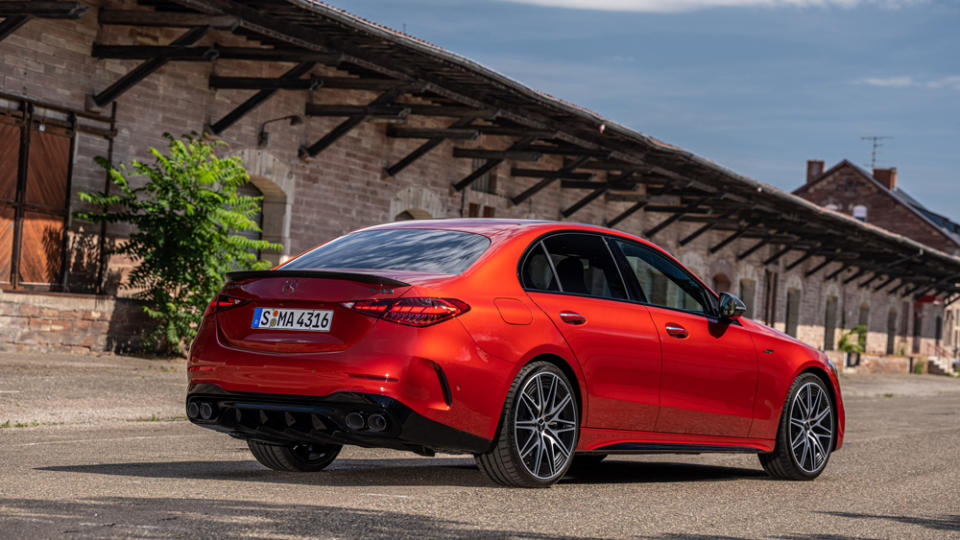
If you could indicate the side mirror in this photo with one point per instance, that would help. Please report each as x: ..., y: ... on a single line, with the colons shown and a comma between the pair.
x: 731, y: 307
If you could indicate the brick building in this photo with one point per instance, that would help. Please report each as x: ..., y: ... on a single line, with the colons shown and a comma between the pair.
x: 876, y: 198
x: 367, y: 125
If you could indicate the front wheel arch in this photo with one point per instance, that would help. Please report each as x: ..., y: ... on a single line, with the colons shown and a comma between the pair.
x: 822, y: 375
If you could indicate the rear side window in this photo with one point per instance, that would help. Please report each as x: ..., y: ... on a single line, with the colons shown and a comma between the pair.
x: 415, y: 250
x: 578, y: 264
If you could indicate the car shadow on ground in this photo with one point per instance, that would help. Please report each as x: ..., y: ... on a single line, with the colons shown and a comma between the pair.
x: 446, y: 471
x: 938, y: 523
x: 221, y: 518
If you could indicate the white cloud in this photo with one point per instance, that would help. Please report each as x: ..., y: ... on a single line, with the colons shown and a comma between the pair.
x: 673, y: 6
x: 950, y: 82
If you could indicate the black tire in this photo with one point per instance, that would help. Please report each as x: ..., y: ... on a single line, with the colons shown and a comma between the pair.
x: 296, y: 458
x: 804, y: 440
x: 533, y: 421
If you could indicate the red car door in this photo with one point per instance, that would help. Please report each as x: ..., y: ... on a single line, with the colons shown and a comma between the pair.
x: 708, y: 380
x: 615, y: 341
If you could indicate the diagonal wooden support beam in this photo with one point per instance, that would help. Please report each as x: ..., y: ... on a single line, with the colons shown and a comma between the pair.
x: 799, y: 261
x: 818, y: 267
x: 426, y: 147
x: 43, y: 10
x: 10, y: 25
x: 737, y: 234
x: 667, y: 222
x: 255, y: 100
x: 776, y: 256
x: 613, y: 181
x: 489, y: 165
x: 843, y: 268
x: 390, y: 110
x: 873, y: 277
x: 536, y: 188
x: 856, y: 276
x: 141, y: 72
x: 704, y: 228
x: 750, y: 251
x: 307, y: 152
x: 626, y: 213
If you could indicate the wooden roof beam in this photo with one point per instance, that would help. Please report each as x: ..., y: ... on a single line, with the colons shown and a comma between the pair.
x: 565, y: 172
x: 308, y: 152
x: 776, y: 256
x: 617, y: 180
x: 311, y: 83
x: 182, y: 52
x: 142, y: 71
x: 491, y: 164
x: 817, y: 268
x: 171, y: 19
x: 481, y: 153
x: 626, y: 213
x: 799, y: 261
x: 737, y: 234
x: 517, y: 132
x: 568, y: 151
x: 453, y: 111
x: 403, y: 132
x: 843, y: 268
x: 255, y: 100
x: 550, y: 174
x: 390, y: 110
x: 863, y: 270
x: 43, y: 10
x: 716, y: 220
x: 426, y: 147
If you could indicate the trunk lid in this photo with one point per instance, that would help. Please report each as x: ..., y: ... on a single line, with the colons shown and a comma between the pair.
x: 276, y: 290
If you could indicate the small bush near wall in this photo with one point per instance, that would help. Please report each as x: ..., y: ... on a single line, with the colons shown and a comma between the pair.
x: 185, y: 215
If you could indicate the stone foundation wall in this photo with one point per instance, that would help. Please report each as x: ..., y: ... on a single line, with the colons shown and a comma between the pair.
x: 56, y: 322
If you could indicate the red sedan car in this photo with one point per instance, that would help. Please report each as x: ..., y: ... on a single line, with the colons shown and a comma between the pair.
x: 532, y: 345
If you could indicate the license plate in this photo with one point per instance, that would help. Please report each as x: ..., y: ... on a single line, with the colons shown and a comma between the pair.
x: 310, y: 320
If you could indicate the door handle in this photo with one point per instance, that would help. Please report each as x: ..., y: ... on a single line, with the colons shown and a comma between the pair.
x: 676, y: 330
x: 570, y: 317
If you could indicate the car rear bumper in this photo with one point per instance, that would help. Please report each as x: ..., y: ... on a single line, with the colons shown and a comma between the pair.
x: 361, y: 419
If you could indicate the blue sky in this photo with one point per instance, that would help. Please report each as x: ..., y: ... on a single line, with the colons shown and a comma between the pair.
x: 759, y: 86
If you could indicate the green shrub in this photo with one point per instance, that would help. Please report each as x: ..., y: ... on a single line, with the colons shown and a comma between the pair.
x: 854, y: 341
x: 185, y: 218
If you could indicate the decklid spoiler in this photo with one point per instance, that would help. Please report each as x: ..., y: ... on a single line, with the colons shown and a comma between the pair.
x: 323, y: 274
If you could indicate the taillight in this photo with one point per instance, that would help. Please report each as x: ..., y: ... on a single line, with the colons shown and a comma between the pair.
x: 222, y: 302
x: 417, y: 311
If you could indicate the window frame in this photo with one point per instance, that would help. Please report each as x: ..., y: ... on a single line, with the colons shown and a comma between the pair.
x: 539, y: 241
x: 631, y: 285
x: 709, y: 294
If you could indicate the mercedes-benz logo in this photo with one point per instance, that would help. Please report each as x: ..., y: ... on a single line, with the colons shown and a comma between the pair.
x: 289, y: 286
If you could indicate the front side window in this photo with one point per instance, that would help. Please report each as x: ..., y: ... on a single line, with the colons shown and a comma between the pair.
x: 573, y: 263
x: 415, y: 250
x: 663, y: 283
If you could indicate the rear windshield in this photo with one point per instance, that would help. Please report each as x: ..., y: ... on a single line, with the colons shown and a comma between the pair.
x: 416, y: 250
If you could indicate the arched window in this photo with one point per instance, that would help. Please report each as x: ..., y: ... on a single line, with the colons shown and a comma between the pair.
x: 860, y: 212
x: 793, y: 311
x: 830, y: 323
x: 891, y: 329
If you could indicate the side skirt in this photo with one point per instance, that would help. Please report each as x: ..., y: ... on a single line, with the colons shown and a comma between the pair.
x: 607, y: 441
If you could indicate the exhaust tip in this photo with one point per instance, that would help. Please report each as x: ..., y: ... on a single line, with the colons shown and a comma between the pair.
x: 377, y: 422
x: 193, y: 410
x: 354, y: 421
x: 206, y: 410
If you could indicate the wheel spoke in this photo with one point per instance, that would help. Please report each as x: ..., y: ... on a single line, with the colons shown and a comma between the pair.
x: 532, y: 443
x: 554, y: 412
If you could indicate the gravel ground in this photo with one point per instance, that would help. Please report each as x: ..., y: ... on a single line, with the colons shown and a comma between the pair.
x: 106, y: 471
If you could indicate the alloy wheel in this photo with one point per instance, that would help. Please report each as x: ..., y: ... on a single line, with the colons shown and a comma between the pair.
x: 811, y: 427
x: 545, y: 424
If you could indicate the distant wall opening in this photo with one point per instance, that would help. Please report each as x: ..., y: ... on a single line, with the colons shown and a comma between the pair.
x: 830, y: 323
x: 411, y: 214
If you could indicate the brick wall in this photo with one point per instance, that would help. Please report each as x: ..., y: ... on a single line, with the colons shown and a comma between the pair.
x: 342, y: 189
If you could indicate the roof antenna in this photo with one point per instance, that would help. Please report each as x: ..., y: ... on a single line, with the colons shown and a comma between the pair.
x: 875, y: 141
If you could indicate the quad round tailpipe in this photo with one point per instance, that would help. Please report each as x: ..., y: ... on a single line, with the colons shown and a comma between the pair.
x: 375, y: 422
